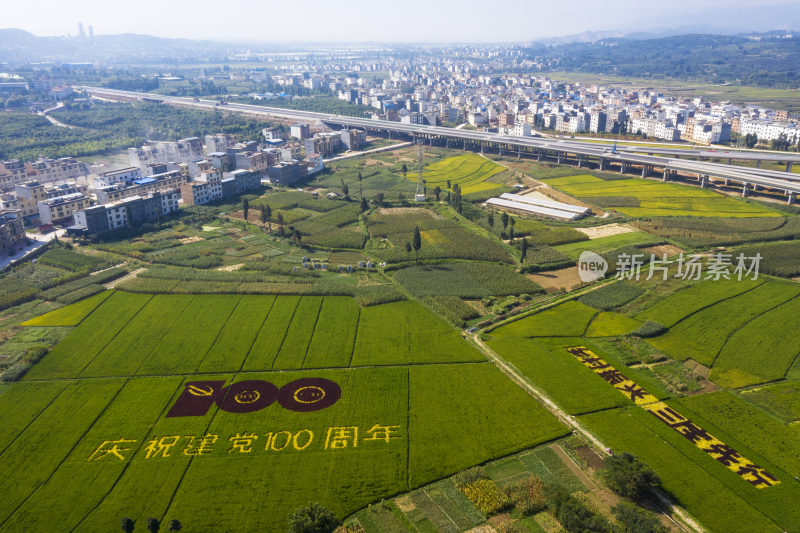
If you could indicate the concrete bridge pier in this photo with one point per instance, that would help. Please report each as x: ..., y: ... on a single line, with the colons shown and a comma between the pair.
x: 791, y: 198
x: 758, y: 163
x: 727, y: 182
x: 558, y: 159
x: 602, y: 163
x: 703, y: 182
x: 465, y: 144
x: 665, y: 177
x: 646, y: 169
x: 745, y: 190
x: 538, y: 155
x: 624, y: 167
x: 789, y: 166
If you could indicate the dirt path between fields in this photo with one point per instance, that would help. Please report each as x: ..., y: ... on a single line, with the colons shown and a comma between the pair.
x: 669, y: 508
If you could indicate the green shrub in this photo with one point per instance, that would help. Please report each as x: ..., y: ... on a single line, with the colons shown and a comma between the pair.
x: 527, y: 495
x: 629, y: 477
x: 377, y: 294
x: 15, y: 372
x: 633, y: 519
x: 465, y: 477
x: 611, y: 296
x: 80, y: 294
x: 35, y: 353
x: 313, y: 518
x: 650, y: 329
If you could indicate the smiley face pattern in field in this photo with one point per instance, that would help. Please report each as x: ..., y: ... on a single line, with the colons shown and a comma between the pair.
x: 733, y: 460
x: 301, y: 395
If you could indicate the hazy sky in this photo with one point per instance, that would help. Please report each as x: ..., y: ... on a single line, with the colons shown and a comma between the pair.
x: 348, y: 21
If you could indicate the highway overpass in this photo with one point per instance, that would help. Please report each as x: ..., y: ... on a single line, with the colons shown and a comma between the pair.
x: 665, y: 162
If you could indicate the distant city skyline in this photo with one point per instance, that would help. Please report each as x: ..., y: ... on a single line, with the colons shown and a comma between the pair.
x: 380, y: 20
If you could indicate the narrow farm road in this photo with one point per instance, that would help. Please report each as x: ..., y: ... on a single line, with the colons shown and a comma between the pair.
x: 671, y: 509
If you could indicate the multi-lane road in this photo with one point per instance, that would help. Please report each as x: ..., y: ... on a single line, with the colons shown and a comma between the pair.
x: 664, y: 161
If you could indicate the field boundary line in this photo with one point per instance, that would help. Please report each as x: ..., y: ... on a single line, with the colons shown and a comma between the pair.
x: 116, y: 334
x: 181, y: 381
x: 732, y: 333
x: 408, y: 425
x: 571, y: 422
x: 355, y: 338
x: 35, y: 417
x: 712, y: 304
x: 255, y: 337
x: 153, y: 349
x: 66, y: 456
x: 216, y: 338
x: 313, y: 332
x: 285, y: 333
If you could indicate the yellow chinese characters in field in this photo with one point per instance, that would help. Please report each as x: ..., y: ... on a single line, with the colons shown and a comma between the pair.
x: 717, y: 449
x: 336, y: 438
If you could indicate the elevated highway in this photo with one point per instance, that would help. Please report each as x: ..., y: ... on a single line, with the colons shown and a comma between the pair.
x: 665, y: 162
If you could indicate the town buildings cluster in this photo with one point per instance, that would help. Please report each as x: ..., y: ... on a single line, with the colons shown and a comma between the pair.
x: 161, y: 177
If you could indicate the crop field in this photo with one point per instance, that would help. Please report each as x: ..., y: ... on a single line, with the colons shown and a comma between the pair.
x: 569, y: 319
x: 441, y: 238
x: 693, y: 297
x: 361, y: 413
x: 697, y: 482
x: 470, y: 171
x: 608, y: 324
x: 464, y: 279
x: 70, y: 315
x: 782, y: 399
x: 702, y: 335
x: 606, y: 244
x: 643, y: 198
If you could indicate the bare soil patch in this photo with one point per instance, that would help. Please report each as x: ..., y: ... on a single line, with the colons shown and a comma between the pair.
x: 553, y: 280
x: 231, y: 268
x: 190, y: 240
x: 405, y: 504
x: 606, y: 231
x: 668, y: 249
x: 594, y: 461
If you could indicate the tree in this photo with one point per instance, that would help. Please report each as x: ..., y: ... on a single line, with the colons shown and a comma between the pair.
x: 263, y: 214
x: 175, y: 525
x: 416, y: 242
x: 364, y: 204
x: 436, y: 192
x: 245, y: 207
x: 360, y: 188
x: 268, y: 210
x: 280, y: 220
x: 523, y: 247
x: 633, y: 519
x: 313, y: 518
x: 408, y: 247
x: 629, y: 477
x: 490, y: 219
x: 153, y: 525
x: 511, y: 234
x: 504, y: 220
x: 379, y: 199
x: 345, y: 190
x: 404, y: 170
x: 127, y: 525
x: 448, y: 184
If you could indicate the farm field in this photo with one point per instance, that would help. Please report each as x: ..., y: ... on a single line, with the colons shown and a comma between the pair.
x: 702, y: 335
x: 70, y: 315
x: 569, y: 319
x: 645, y: 198
x: 470, y: 171
x: 390, y: 430
x: 464, y: 279
x: 606, y: 244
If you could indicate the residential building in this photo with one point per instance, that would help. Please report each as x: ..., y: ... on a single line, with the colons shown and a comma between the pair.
x: 219, y: 142
x: 182, y: 151
x: 12, y: 231
x: 240, y: 181
x: 203, y: 189
x: 141, y: 187
x: 284, y: 173
x: 121, y: 175
x: 353, y: 139
x: 299, y: 131
x: 60, y: 208
x: 128, y: 212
